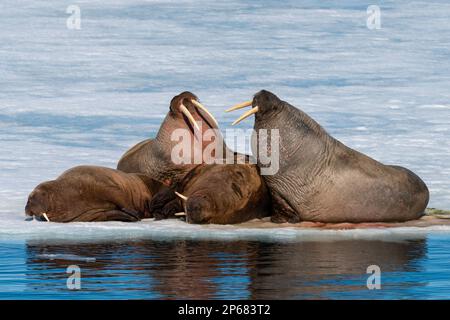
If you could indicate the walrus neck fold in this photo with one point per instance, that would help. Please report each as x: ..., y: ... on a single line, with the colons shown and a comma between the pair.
x: 298, y: 132
x: 165, y: 131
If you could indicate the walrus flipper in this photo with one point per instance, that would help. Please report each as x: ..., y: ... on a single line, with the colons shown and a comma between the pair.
x: 170, y: 209
x: 138, y: 216
x: 164, y: 204
x: 115, y: 215
x: 281, y: 211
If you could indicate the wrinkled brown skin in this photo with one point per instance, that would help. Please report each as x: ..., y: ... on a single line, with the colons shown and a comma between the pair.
x: 153, y: 156
x: 91, y: 193
x: 217, y: 194
x: 322, y: 180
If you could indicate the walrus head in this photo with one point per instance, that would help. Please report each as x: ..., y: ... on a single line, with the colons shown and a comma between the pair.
x: 185, y: 113
x: 264, y: 105
x: 39, y: 201
x: 50, y: 201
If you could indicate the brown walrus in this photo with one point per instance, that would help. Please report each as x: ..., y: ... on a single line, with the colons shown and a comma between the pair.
x: 154, y: 156
x: 322, y: 180
x: 219, y: 194
x: 91, y: 193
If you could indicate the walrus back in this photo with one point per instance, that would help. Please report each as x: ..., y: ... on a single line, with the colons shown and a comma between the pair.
x: 132, y: 160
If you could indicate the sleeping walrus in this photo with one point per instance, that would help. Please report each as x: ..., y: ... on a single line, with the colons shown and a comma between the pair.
x: 90, y: 193
x: 219, y: 194
x: 320, y: 179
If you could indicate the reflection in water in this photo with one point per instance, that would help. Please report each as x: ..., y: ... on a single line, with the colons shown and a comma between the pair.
x: 212, y: 269
x: 317, y: 269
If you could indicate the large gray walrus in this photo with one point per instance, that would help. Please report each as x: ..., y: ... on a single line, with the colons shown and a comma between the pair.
x: 322, y: 180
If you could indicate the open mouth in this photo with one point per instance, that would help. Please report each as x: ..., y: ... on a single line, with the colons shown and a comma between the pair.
x: 203, y: 115
x: 245, y: 115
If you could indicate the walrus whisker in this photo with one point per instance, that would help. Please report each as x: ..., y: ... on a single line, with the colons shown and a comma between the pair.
x: 181, y: 196
x: 203, y: 108
x: 190, y: 117
x: 45, y: 216
x: 240, y: 106
x: 180, y: 214
x: 246, y: 115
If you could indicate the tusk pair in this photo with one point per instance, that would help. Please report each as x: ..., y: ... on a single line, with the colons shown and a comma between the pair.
x: 202, y: 107
x: 190, y: 117
x: 181, y: 196
x: 184, y: 198
x: 245, y: 115
x: 45, y: 216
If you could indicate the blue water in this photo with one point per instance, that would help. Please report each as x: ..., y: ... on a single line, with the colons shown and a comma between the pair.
x: 72, y: 97
x: 149, y: 269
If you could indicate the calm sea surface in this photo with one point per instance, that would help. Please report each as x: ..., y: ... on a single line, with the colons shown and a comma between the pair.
x: 148, y: 269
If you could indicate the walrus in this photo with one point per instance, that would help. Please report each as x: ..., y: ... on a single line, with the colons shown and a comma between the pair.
x: 154, y: 156
x: 91, y: 193
x: 216, y: 194
x: 322, y: 180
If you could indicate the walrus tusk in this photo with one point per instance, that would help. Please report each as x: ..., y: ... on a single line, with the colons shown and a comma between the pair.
x: 191, y: 119
x: 246, y: 115
x: 202, y: 107
x: 45, y: 216
x: 180, y: 214
x: 181, y: 196
x: 240, y: 106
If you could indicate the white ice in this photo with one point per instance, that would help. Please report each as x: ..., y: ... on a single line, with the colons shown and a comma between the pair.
x: 70, y: 97
x: 15, y: 229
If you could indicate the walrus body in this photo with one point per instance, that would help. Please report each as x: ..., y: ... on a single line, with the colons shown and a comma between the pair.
x: 131, y: 162
x: 219, y: 194
x: 322, y: 180
x: 91, y: 193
